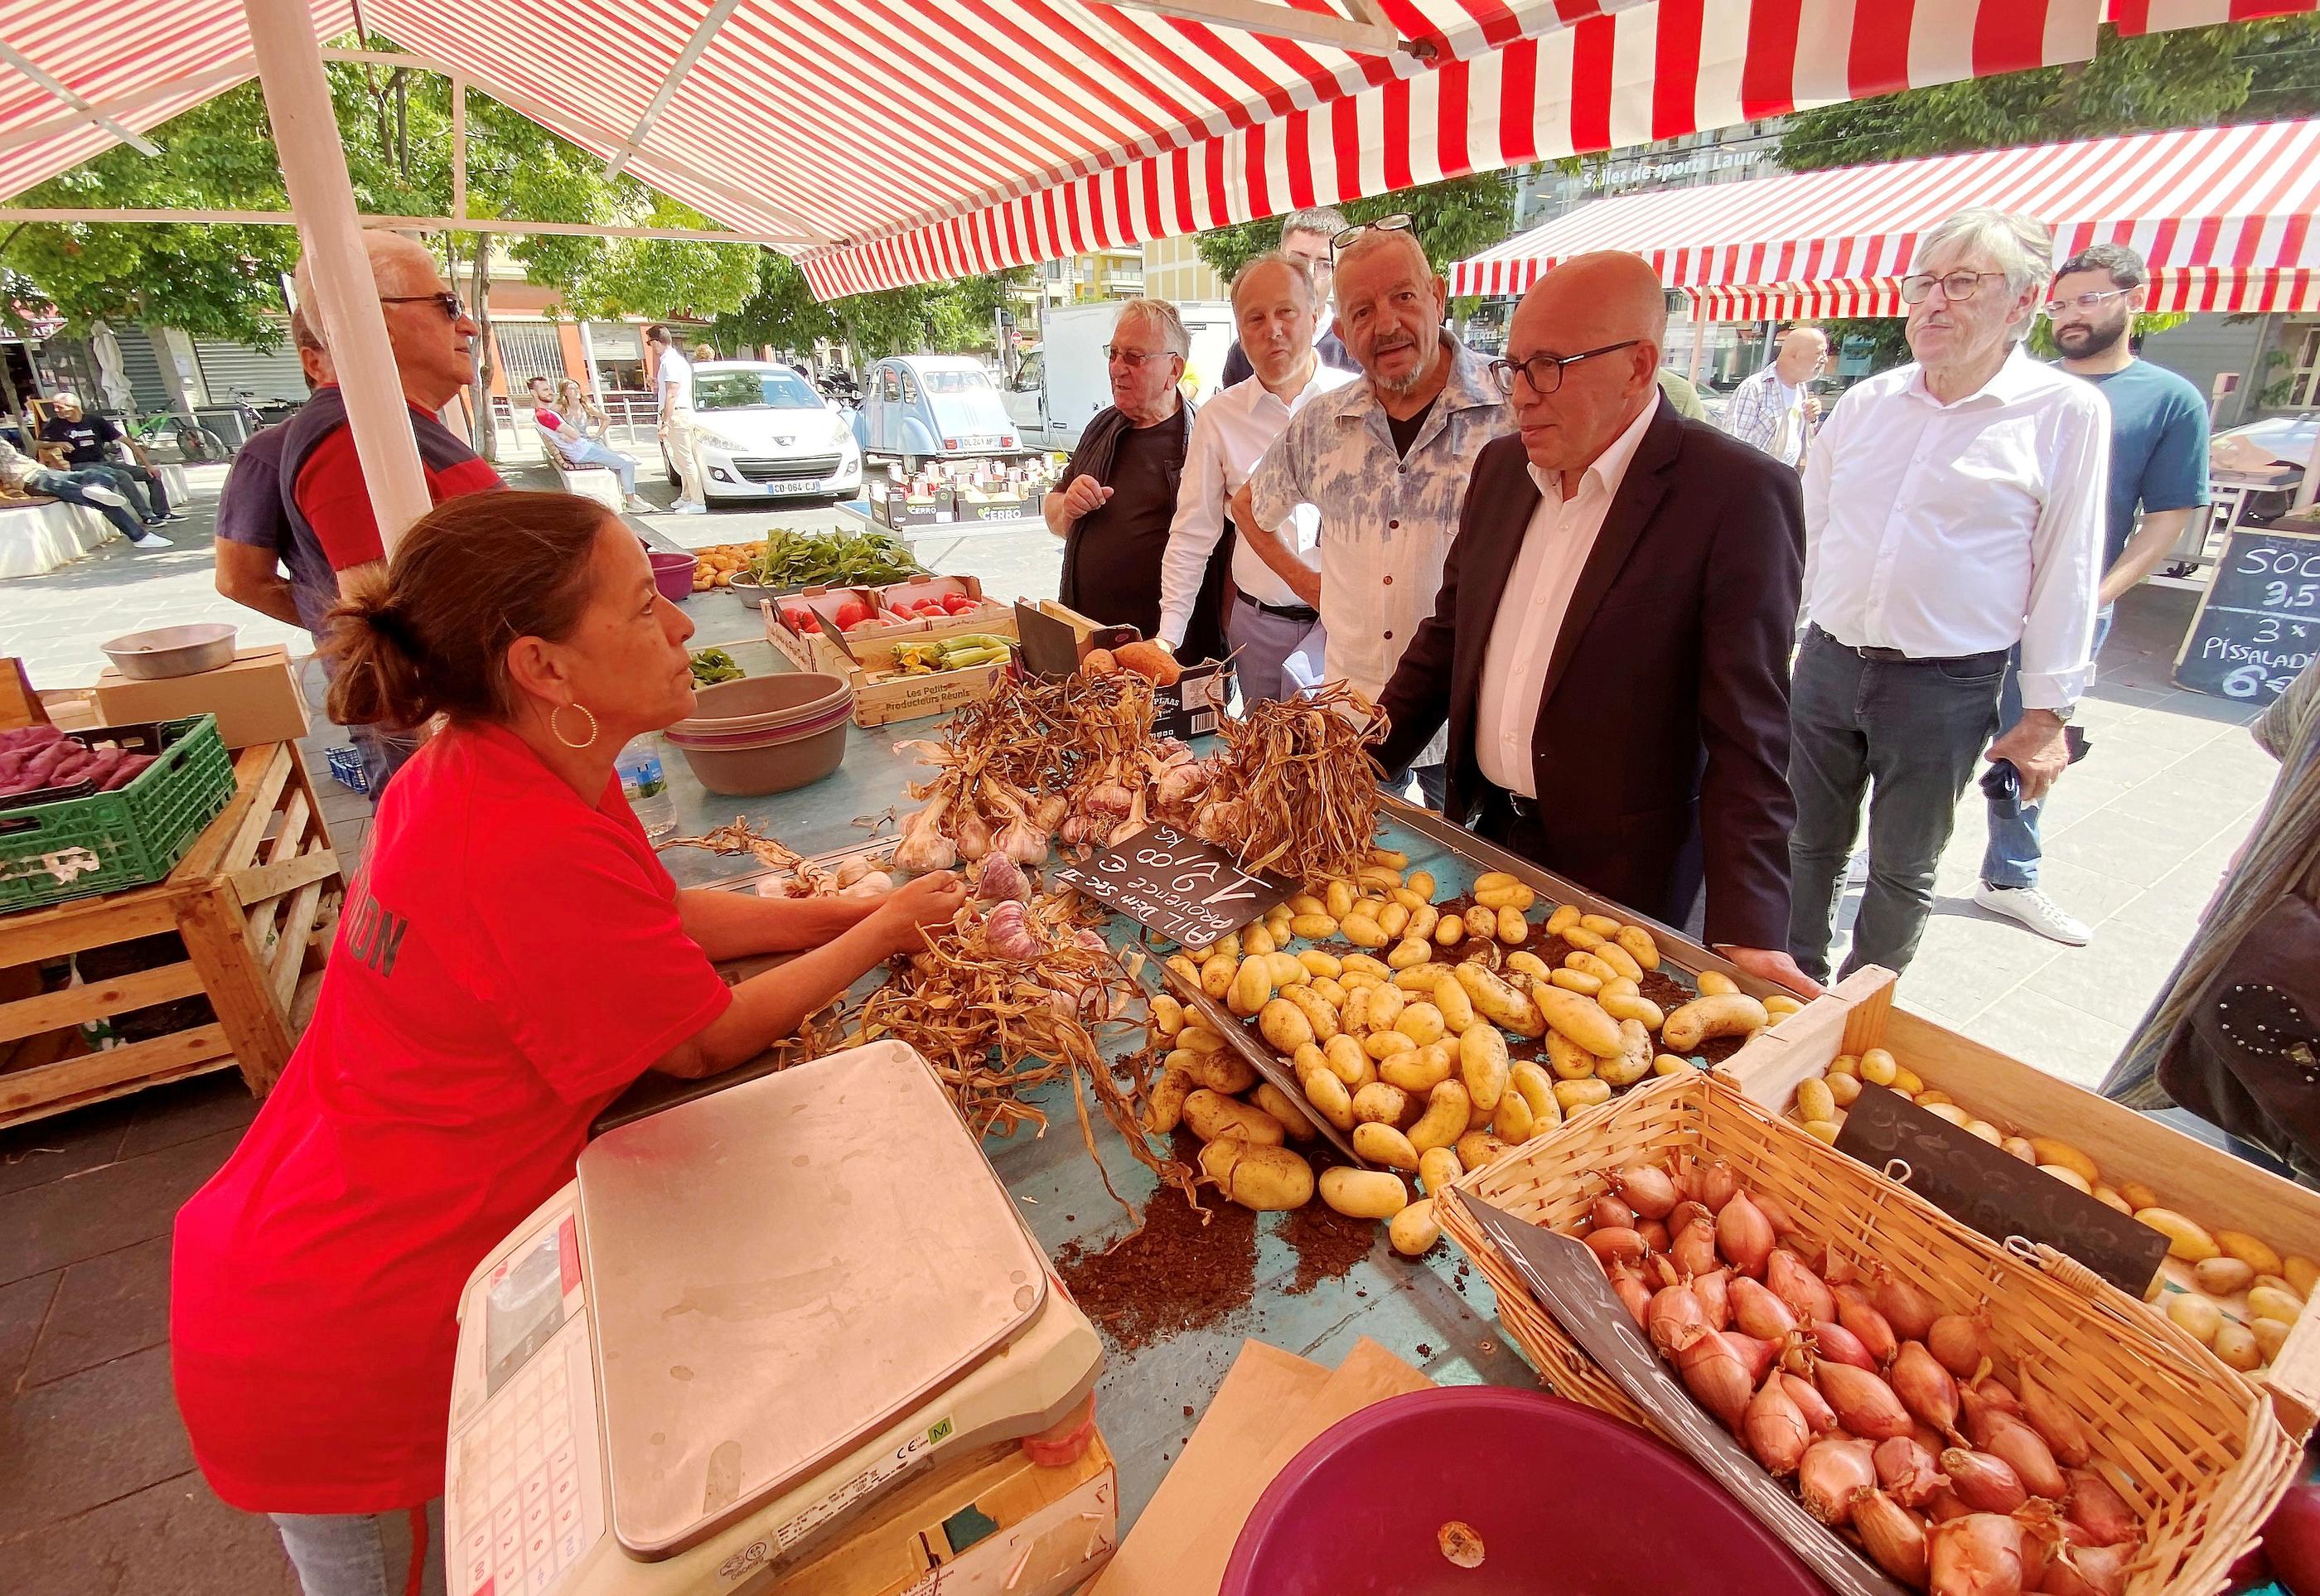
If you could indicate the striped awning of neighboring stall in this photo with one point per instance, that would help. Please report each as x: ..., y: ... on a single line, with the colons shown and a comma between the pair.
x: 896, y: 141
x: 2223, y: 215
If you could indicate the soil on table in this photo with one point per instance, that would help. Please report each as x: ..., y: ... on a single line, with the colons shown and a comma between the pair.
x: 1176, y: 1275
x: 1328, y: 1243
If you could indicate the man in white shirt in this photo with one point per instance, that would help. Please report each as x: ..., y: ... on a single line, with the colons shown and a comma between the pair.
x: 1610, y: 646
x: 1276, y: 636
x: 672, y: 381
x: 1775, y: 409
x: 1954, y: 509
x: 1308, y: 235
x: 1385, y: 461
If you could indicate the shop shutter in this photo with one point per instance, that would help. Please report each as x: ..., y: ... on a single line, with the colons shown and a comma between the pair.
x: 528, y: 350
x: 144, y: 367
x: 228, y: 367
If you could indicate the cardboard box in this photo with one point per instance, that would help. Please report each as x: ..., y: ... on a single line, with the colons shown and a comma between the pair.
x: 257, y: 698
x: 867, y: 659
x: 1053, y: 635
x: 992, y: 1523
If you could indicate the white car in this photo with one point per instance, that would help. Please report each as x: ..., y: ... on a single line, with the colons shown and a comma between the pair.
x: 761, y: 432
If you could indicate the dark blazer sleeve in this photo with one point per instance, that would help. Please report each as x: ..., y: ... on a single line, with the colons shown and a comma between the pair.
x: 1756, y: 576
x: 1236, y: 367
x: 1417, y: 700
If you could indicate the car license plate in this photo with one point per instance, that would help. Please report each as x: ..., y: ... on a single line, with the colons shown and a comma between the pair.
x: 988, y: 440
x: 791, y: 486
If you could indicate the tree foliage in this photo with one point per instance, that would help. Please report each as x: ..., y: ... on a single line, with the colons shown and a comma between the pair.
x: 1453, y: 220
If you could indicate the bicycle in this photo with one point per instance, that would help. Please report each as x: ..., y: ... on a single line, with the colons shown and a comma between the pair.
x: 194, y: 442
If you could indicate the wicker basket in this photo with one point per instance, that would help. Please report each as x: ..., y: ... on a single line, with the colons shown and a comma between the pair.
x: 2196, y: 1449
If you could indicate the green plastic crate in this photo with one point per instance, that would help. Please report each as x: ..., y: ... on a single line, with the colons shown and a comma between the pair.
x: 75, y: 847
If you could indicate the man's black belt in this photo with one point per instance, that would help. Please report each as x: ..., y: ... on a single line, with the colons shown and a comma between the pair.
x: 1990, y: 660
x: 1286, y: 612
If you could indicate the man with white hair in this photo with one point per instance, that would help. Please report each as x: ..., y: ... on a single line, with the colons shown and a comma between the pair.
x: 1276, y: 638
x: 1305, y: 234
x: 1118, y: 496
x: 1954, y: 510
x: 88, y: 441
x: 1385, y: 461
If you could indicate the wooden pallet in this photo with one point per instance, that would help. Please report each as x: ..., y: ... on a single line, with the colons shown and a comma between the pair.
x: 244, y: 900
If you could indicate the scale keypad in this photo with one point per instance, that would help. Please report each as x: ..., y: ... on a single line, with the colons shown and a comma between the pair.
x: 524, y: 1500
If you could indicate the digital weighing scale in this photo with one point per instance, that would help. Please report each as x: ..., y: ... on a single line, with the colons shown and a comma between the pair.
x: 750, y: 1320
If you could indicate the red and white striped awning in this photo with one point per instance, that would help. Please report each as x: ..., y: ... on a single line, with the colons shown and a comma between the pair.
x: 910, y: 141
x: 2224, y: 215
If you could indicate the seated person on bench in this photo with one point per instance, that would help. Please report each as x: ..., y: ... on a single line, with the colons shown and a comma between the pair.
x: 576, y: 448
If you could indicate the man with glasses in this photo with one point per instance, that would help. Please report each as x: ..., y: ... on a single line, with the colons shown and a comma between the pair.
x: 1776, y: 409
x: 324, y: 497
x: 1610, y: 646
x: 2158, y: 461
x: 1385, y: 461
x: 1953, y: 514
x: 1306, y: 234
x: 1118, y: 494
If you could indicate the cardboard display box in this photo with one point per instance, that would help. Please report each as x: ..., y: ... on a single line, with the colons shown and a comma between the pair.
x: 256, y: 698
x: 867, y: 659
x: 1057, y: 638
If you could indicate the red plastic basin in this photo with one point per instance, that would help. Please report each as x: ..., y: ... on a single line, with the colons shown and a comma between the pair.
x: 671, y: 573
x: 1564, y: 1498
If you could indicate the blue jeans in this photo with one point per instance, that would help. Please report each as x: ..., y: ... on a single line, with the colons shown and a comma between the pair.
x: 138, y: 485
x: 72, y: 487
x: 589, y: 452
x: 367, y: 1554
x: 2011, y: 859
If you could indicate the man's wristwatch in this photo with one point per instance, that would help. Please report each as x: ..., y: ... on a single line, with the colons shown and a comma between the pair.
x: 2064, y: 713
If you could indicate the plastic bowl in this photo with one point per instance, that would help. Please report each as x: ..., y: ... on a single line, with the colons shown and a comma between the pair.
x: 840, y: 710
x: 1563, y: 1497
x: 771, y: 766
x: 171, y: 650
x: 763, y: 703
x: 671, y: 573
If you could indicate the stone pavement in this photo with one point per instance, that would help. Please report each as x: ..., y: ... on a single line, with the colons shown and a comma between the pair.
x: 98, y: 1492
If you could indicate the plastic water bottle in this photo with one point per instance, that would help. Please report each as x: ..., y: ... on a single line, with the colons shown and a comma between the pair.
x: 646, y: 786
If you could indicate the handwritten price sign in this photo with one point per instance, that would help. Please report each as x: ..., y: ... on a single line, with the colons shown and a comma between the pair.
x: 1175, y: 885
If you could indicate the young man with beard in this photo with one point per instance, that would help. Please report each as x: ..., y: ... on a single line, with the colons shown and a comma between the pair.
x: 2158, y: 461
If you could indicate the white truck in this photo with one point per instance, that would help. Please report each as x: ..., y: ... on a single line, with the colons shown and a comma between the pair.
x: 1062, y: 381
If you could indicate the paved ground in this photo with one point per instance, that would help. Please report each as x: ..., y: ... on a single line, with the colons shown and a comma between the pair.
x: 98, y: 1492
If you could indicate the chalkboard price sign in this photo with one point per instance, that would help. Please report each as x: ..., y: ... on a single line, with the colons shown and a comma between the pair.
x: 1997, y: 1193
x: 2259, y: 623
x: 1175, y: 885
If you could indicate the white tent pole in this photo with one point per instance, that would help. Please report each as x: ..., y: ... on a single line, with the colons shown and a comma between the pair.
x: 458, y: 146
x: 314, y: 171
x: 669, y: 84
x: 33, y: 69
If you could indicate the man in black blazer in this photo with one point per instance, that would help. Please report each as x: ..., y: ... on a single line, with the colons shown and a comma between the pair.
x: 1610, y: 646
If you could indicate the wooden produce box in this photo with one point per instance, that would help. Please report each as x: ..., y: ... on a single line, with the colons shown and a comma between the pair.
x: 823, y: 647
x: 244, y: 902
x: 866, y: 661
x: 2207, y: 1184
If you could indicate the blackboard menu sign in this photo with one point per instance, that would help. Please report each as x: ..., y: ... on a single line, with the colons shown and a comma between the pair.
x: 1569, y: 1283
x: 2259, y: 623
x: 1997, y: 1193
x: 1175, y: 885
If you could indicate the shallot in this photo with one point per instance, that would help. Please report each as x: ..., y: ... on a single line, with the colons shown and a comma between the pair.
x: 1743, y: 1233
x: 1715, y: 1184
x: 2019, y: 1444
x: 1926, y: 1388
x: 2060, y: 1427
x: 1907, y: 1310
x: 1713, y: 1372
x: 1980, y: 1554
x: 1654, y: 1234
x: 1608, y: 1213
x: 1962, y: 1343
x: 1759, y: 1312
x: 1894, y: 1535
x: 1906, y: 1470
x: 1692, y: 1244
x: 1832, y: 1473
x: 1990, y: 1393
x: 1864, y: 1404
x: 1629, y: 1288
x: 1714, y: 1290
x: 1985, y: 1484
x: 2086, y: 1571
x: 1786, y: 1276
x: 1819, y: 1417
x: 1620, y: 1244
x: 1856, y: 1313
x: 2097, y: 1507
x: 1673, y: 1312
x: 1836, y: 1341
x: 1773, y: 1428
x: 1757, y: 1354
x: 1647, y: 1189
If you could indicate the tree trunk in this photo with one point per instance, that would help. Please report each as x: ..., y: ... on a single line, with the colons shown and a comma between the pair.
x: 487, y: 435
x: 402, y: 126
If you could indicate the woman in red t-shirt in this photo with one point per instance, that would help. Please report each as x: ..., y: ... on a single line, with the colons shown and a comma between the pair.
x: 511, y: 957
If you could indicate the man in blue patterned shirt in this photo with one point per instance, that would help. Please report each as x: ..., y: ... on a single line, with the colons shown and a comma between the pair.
x: 1776, y: 409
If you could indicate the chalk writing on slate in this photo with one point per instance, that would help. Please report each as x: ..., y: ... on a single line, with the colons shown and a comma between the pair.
x: 2259, y: 622
x: 1997, y: 1193
x: 1175, y: 885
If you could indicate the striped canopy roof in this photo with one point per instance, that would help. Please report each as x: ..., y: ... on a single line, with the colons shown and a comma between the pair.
x: 910, y: 141
x: 2223, y: 215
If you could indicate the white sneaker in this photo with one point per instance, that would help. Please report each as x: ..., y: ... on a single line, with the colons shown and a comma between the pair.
x: 687, y: 507
x: 638, y: 504
x: 2032, y: 908
x: 151, y: 540
x: 111, y: 497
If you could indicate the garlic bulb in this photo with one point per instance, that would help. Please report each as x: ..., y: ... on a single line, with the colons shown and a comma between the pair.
x: 877, y: 884
x: 1008, y: 935
x: 923, y: 845
x: 1001, y: 879
x: 1023, y: 842
x: 973, y: 835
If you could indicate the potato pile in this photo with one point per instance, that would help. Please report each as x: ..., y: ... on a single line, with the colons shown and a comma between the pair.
x: 717, y: 567
x: 2231, y: 1291
x: 1407, y: 1054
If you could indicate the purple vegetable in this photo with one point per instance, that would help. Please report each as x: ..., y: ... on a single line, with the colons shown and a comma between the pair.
x: 36, y: 774
x: 130, y: 768
x: 28, y: 737
x: 100, y: 764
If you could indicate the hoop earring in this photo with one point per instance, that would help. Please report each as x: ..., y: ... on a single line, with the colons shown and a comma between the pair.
x: 557, y: 714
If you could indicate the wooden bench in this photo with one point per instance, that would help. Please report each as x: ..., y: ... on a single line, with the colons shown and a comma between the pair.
x: 588, y: 478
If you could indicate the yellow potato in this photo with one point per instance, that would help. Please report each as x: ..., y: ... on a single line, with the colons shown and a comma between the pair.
x: 1957, y: 1116
x: 1320, y: 965
x: 2220, y: 1277
x: 1287, y: 969
x: 1212, y: 1117
x: 2196, y: 1314
x: 1730, y: 1015
x: 1578, y: 981
x: 2110, y: 1199
x: 1479, y: 1148
x: 2052, y: 1150
x: 1414, y: 1230
x: 1419, y: 1070
x: 1512, y: 1120
x: 1393, y: 920
x: 1380, y: 1104
x: 1526, y: 1081
x: 1217, y: 977
x: 1410, y: 953
x: 2256, y: 1254
x: 1293, y: 1120
x: 1388, y: 858
x: 1365, y: 1193
x: 1376, y: 1142
x: 1307, y: 1059
x: 1257, y: 939
x: 1330, y: 1098
x: 1622, y: 1005
x: 1668, y: 1063
x: 1422, y: 917
x: 1227, y: 946
x: 1437, y: 1168
x: 1382, y: 878
x: 1568, y: 1059
x: 1284, y: 1025
x: 1906, y: 1081
x: 1327, y: 989
x: 1639, y: 944
x: 1602, y: 925
x: 1504, y: 1006
x: 1419, y: 980
x: 1445, y: 1118
x: 2064, y: 1173
x: 2186, y: 1238
x: 1252, y: 986
x: 1319, y: 1011
x: 1634, y: 1060
x: 1618, y: 957
x: 1622, y: 987
x: 2138, y: 1194
x: 1451, y: 1002
x: 1525, y: 962
x: 1780, y: 1008
x: 1165, y: 1109
x: 1995, y: 1137
x: 1421, y: 881
x: 1563, y: 918
x: 1716, y: 984
x: 1314, y: 927
x: 1513, y: 929
x: 1413, y: 902
x: 1362, y: 964
x: 1845, y: 1064
x: 1497, y: 889
x: 1587, y: 964
x: 2236, y: 1345
x: 1575, y: 1096
x: 1199, y: 1038
x: 1268, y: 1179
x: 1383, y: 1045
x: 1362, y: 932
x: 1386, y: 1004
x: 1421, y: 1022
x: 1304, y: 903
x: 2302, y: 1273
x: 1580, y: 1018
x: 1226, y: 1074
x: 1844, y: 1091
x: 1181, y: 966
x: 2278, y: 1284
x: 1483, y: 1065
x: 1827, y: 1131
x: 1354, y: 1017
x: 1449, y: 931
x: 2270, y: 1336
x: 1581, y: 937
x: 2267, y: 1303
x: 1815, y: 1101
x: 1167, y: 1016
x: 1879, y: 1067
x: 1337, y: 899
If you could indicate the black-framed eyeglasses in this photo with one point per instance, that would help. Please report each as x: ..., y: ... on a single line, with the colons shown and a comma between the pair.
x: 1400, y: 221
x: 453, y: 306
x: 1955, y: 284
x: 2086, y: 304
x: 1544, y: 372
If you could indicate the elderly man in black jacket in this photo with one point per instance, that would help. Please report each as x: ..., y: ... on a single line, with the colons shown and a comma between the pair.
x: 1610, y: 646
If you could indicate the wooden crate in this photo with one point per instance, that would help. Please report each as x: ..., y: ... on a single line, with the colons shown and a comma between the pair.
x: 2210, y: 1185
x: 244, y: 900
